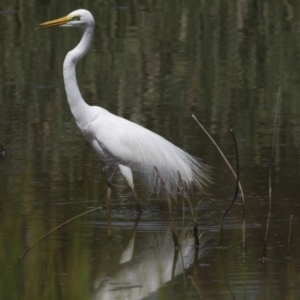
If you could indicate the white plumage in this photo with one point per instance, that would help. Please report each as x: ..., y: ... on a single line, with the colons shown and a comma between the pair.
x: 121, y: 144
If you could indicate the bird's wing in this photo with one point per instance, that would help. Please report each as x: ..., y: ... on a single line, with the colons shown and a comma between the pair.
x: 120, y: 141
x: 123, y: 140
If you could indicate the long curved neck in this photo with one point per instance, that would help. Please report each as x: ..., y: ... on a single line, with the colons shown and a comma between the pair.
x: 77, y: 105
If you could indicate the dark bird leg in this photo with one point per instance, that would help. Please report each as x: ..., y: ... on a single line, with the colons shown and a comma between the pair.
x: 127, y: 174
x: 109, y: 173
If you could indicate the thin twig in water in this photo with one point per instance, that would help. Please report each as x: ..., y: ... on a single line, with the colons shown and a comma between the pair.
x: 289, y: 239
x: 57, y: 227
x: 235, y: 194
x: 270, y: 176
x: 237, y: 177
x: 225, y: 159
x: 195, y: 286
x: 234, y: 174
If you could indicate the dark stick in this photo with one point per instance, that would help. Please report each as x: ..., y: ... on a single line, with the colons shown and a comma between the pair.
x: 57, y: 227
x: 175, y: 259
x: 225, y: 159
x: 289, y: 239
x: 234, y: 174
x: 236, y: 191
x: 195, y: 286
x: 270, y: 176
x: 237, y: 177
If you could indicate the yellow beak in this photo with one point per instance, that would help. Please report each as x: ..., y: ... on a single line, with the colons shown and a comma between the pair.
x: 57, y: 22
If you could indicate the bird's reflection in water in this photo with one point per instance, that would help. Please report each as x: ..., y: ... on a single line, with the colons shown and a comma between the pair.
x: 158, y: 263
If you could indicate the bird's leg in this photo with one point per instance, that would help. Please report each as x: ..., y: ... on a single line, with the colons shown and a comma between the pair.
x: 108, y: 212
x: 138, y: 206
x: 109, y: 173
x: 127, y: 174
x: 108, y: 196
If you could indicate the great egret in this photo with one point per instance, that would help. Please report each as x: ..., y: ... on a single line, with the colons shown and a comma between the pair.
x: 121, y: 144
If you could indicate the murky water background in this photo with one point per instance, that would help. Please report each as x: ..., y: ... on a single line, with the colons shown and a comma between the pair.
x: 155, y: 63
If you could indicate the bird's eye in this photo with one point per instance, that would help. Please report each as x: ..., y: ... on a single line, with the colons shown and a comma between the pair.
x: 76, y: 18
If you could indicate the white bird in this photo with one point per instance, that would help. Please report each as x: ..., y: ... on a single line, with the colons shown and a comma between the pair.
x: 121, y: 144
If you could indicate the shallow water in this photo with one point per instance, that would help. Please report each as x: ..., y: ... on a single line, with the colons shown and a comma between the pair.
x: 155, y: 63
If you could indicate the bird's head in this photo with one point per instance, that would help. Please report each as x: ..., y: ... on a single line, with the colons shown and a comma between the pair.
x: 78, y: 18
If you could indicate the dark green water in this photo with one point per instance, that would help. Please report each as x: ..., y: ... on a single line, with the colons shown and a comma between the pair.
x: 155, y: 63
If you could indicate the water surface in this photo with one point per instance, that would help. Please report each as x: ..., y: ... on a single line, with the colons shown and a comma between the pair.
x: 155, y: 63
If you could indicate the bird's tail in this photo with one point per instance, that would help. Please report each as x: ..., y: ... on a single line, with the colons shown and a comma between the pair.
x: 171, y: 163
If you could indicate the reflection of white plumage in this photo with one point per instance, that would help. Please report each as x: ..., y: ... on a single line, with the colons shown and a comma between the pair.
x: 121, y: 144
x: 152, y: 268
